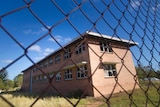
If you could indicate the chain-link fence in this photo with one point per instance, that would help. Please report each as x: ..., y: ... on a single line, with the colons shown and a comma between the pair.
x: 31, y: 29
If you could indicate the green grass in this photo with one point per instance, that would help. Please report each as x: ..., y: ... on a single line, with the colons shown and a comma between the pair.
x: 147, y: 96
x: 139, y: 98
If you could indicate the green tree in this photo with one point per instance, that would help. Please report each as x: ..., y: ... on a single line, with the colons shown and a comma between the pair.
x: 2, y: 86
x: 145, y: 72
x: 18, y: 80
x: 3, y: 75
x: 9, y: 84
x: 158, y: 74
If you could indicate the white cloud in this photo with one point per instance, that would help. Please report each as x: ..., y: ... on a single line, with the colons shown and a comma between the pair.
x: 43, y: 53
x: 28, y: 31
x: 36, y: 48
x: 7, y: 61
x: 60, y: 39
x: 156, y: 7
x: 44, y: 29
x: 135, y: 4
x: 66, y: 40
x: 39, y: 58
x: 47, y: 51
x: 35, y: 32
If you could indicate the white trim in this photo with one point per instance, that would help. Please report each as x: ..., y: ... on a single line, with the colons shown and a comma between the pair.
x: 111, y: 38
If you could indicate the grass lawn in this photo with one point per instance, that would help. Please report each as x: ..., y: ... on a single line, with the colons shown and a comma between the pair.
x: 139, y: 98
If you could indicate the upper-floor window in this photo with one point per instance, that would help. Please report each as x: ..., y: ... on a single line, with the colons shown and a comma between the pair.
x: 68, y: 74
x: 57, y: 58
x: 110, y: 70
x: 67, y: 53
x: 105, y: 47
x: 50, y: 61
x: 80, y: 48
x: 58, y: 76
x: 34, y: 69
x: 41, y: 66
x: 82, y: 71
x: 45, y: 64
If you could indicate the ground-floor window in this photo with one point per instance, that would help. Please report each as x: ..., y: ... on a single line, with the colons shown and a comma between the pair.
x: 58, y: 76
x: 82, y: 71
x: 110, y: 70
x: 68, y: 74
x: 45, y: 78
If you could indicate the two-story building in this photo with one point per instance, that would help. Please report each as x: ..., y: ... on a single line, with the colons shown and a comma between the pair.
x: 92, y: 63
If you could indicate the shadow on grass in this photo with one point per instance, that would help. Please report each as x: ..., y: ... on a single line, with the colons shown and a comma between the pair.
x: 21, y: 93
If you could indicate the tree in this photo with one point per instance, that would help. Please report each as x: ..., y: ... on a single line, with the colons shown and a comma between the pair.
x: 2, y: 86
x: 9, y: 84
x: 3, y: 75
x: 145, y: 72
x: 18, y: 80
x: 158, y: 74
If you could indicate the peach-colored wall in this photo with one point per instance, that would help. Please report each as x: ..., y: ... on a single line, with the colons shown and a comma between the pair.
x: 107, y: 84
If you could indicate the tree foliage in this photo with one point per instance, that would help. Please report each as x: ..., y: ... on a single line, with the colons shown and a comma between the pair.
x: 147, y: 72
x: 3, y: 75
x: 1, y: 84
x: 18, y: 80
x: 6, y: 84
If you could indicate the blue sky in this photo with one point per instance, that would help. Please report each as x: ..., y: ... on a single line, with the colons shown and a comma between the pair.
x: 26, y: 29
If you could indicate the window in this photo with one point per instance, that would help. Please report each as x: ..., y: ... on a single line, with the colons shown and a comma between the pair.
x: 105, y: 47
x: 67, y: 54
x: 82, y: 72
x: 58, y: 76
x: 34, y: 69
x: 57, y: 58
x: 51, y: 75
x: 45, y: 78
x: 41, y: 65
x: 37, y: 78
x: 45, y: 64
x: 41, y: 78
x: 68, y: 74
x: 50, y: 61
x: 80, y: 48
x: 110, y: 70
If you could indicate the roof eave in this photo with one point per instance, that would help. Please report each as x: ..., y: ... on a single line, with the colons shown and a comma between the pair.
x: 131, y: 43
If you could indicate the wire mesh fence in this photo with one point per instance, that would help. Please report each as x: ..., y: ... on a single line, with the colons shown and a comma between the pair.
x: 28, y: 26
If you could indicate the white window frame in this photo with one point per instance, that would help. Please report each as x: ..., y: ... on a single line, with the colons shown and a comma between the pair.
x: 105, y: 47
x: 58, y: 76
x: 68, y: 74
x: 50, y: 61
x: 45, y: 78
x: 37, y: 78
x: 110, y: 70
x: 41, y: 65
x: 45, y: 64
x: 82, y: 72
x: 51, y: 75
x: 67, y: 54
x: 40, y: 77
x: 57, y: 58
x: 80, y: 48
